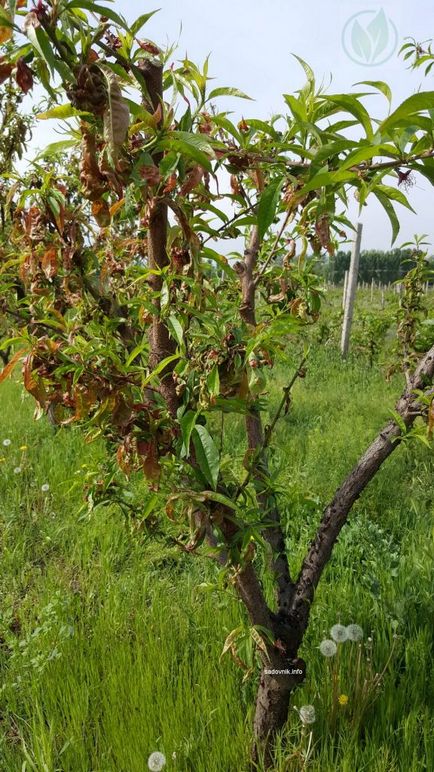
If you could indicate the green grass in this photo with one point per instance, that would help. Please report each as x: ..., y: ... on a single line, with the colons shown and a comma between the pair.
x: 110, y: 642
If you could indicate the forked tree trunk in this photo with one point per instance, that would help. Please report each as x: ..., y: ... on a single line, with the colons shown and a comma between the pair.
x: 274, y: 693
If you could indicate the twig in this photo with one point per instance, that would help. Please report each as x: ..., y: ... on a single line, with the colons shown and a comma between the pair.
x: 274, y: 249
x: 270, y: 428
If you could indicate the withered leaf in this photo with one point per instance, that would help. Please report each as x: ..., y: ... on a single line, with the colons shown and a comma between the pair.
x: 49, y: 262
x: 192, y: 180
x: 116, y: 116
x: 5, y: 34
x: 101, y: 212
x: 24, y: 76
x: 5, y: 70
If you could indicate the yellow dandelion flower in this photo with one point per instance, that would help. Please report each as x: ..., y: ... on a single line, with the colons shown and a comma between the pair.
x: 343, y: 699
x: 23, y: 447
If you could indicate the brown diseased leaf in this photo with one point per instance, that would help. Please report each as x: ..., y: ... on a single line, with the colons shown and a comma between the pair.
x: 33, y: 383
x: 101, y: 212
x: 49, y: 262
x: 24, y: 76
x: 322, y: 230
x: 5, y: 69
x: 94, y: 184
x: 151, y: 174
x: 149, y: 457
x: 116, y: 116
x: 170, y: 184
x: 11, y: 364
x: 5, y: 34
x: 192, y: 180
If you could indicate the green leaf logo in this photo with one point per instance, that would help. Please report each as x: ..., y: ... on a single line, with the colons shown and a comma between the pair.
x: 369, y: 38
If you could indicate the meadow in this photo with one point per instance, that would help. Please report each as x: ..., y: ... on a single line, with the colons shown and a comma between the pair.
x: 110, y: 638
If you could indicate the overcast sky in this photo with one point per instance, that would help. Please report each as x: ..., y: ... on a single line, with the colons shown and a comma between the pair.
x: 251, y: 41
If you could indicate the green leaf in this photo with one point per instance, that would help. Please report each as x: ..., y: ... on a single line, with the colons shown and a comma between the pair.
x: 207, y: 455
x: 57, y: 147
x: 5, y: 19
x: 40, y: 41
x: 395, y: 195
x: 141, y: 21
x: 379, y: 85
x: 187, y: 423
x: 220, y: 498
x: 160, y: 367
x: 60, y: 112
x: 175, y: 329
x: 424, y: 100
x: 228, y: 91
x: 136, y: 351
x: 322, y: 179
x: 188, y: 145
x: 359, y: 155
x: 351, y: 104
x: 426, y: 168
x: 268, y: 206
x: 99, y: 10
x: 213, y: 382
x: 385, y: 202
x: 308, y: 70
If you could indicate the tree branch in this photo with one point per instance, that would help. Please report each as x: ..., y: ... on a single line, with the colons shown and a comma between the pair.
x: 161, y: 344
x: 336, y: 513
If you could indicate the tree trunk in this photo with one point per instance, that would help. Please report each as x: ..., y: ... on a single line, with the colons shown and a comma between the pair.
x: 274, y: 692
x: 271, y: 714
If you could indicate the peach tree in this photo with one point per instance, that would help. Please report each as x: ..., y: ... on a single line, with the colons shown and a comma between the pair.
x: 155, y: 268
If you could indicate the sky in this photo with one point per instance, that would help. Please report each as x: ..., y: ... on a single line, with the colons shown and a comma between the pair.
x: 250, y: 43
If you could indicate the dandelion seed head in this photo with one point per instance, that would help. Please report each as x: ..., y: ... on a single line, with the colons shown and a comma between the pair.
x: 354, y: 632
x: 17, y: 470
x: 45, y: 487
x: 156, y: 761
x: 307, y: 714
x: 339, y: 633
x: 328, y: 648
x: 6, y: 443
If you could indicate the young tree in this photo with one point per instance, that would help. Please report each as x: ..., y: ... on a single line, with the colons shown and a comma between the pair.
x: 134, y: 327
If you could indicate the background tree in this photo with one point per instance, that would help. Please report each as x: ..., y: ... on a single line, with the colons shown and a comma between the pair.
x: 137, y: 329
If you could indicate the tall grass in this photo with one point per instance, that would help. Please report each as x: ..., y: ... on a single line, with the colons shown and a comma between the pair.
x: 110, y: 643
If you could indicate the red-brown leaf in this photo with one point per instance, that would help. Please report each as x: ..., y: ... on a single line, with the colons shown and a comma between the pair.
x: 11, y: 365
x: 192, y: 180
x: 5, y: 69
x: 49, y: 262
x: 24, y: 76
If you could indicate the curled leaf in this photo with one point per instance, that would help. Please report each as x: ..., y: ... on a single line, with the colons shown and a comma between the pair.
x: 49, y: 263
x: 11, y: 365
x: 116, y: 116
x: 101, y: 212
x: 24, y: 76
x: 5, y: 70
x: 5, y: 34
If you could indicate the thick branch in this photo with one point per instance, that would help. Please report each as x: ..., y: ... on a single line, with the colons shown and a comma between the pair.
x: 162, y: 345
x: 336, y: 513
